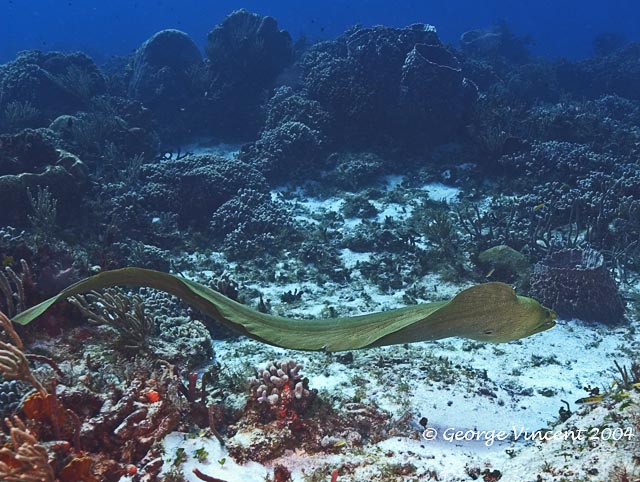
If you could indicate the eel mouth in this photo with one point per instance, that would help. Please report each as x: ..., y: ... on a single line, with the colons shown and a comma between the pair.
x: 549, y: 322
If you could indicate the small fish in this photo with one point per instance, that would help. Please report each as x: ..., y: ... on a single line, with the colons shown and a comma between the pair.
x: 590, y: 400
x: 340, y: 443
x: 537, y: 207
x: 488, y: 275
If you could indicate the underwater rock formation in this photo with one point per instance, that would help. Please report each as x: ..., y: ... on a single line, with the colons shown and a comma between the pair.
x: 193, y: 187
x: 286, y: 150
x: 249, y: 44
x: 295, y: 139
x: 617, y: 73
x: 164, y: 78
x: 29, y: 161
x: 26, y: 151
x: 246, y: 53
x: 382, y: 83
x: 251, y: 223
x: 576, y: 284
x: 433, y: 89
x: 52, y: 83
x: 354, y: 170
x: 505, y: 264
x: 287, y: 105
x: 106, y: 138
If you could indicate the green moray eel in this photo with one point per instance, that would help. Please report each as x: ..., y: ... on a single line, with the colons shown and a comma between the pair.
x: 488, y: 312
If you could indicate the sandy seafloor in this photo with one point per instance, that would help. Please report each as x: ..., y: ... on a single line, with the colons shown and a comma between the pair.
x: 523, y: 385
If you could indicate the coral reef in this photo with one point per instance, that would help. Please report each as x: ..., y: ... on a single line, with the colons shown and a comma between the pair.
x: 51, y: 82
x: 30, y: 162
x: 368, y: 81
x: 292, y: 149
x: 555, y: 161
x: 93, y: 425
x: 283, y: 412
x: 288, y: 105
x: 378, y: 169
x: 615, y: 73
x: 280, y: 398
x: 163, y: 78
x: 252, y: 223
x: 246, y: 53
x: 281, y: 387
x: 195, y: 186
x: 352, y: 171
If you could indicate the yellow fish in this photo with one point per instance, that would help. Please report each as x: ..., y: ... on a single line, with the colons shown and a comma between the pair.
x: 590, y: 400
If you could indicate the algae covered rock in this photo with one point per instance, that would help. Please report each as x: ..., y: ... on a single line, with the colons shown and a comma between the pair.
x: 505, y: 264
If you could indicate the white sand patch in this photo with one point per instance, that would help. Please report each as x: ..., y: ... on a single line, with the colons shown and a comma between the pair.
x: 351, y: 258
x: 213, y: 465
x: 228, y: 151
x: 392, y: 210
x: 439, y: 192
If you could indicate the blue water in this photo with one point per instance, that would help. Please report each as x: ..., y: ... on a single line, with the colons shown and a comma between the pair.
x: 104, y: 28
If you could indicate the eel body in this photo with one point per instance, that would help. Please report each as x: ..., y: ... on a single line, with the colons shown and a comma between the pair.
x: 489, y: 312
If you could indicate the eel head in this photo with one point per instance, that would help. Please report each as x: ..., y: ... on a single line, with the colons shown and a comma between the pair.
x: 527, y: 318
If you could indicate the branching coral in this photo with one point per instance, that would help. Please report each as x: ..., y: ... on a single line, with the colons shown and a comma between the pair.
x: 116, y: 309
x: 45, y: 209
x: 13, y: 362
x: 274, y: 381
x: 12, y: 289
x: 26, y: 460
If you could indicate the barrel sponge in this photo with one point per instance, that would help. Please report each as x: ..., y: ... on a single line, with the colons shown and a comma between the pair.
x: 577, y: 284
